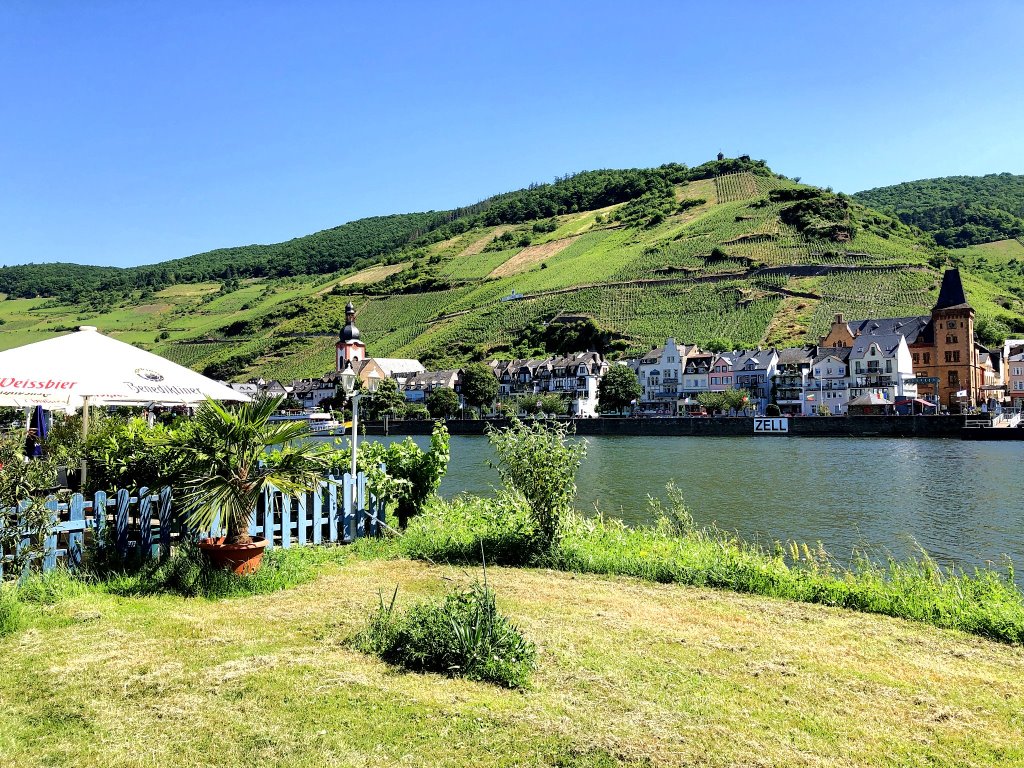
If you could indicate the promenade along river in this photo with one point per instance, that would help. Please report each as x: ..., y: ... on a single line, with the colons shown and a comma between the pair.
x: 962, y: 501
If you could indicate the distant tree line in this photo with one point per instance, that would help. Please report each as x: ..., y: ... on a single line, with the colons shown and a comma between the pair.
x: 956, y: 210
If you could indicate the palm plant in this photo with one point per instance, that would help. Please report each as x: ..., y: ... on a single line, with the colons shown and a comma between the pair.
x: 227, y: 467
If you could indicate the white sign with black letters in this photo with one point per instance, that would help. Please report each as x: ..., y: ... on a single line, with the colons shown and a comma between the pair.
x: 767, y: 426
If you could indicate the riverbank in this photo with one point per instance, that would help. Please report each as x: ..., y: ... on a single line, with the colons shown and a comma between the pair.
x: 629, y: 673
x: 721, y: 426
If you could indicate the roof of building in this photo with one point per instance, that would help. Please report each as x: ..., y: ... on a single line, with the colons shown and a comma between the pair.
x: 794, y: 355
x: 910, y: 327
x: 951, y: 294
x: 397, y: 365
x: 887, y: 343
x: 431, y: 379
x: 840, y: 353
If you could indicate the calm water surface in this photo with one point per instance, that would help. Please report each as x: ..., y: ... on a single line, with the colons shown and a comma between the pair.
x: 962, y: 501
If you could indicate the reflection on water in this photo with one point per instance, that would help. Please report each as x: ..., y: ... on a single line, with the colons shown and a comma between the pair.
x: 961, y: 501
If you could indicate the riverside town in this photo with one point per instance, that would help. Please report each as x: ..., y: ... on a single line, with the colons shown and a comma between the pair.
x: 512, y: 386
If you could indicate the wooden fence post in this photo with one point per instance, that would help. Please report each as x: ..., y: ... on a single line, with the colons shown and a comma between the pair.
x: 318, y: 513
x: 286, y: 520
x: 50, y: 540
x: 301, y: 503
x: 165, y: 522
x: 332, y: 508
x: 76, y: 538
x: 121, y: 522
x: 145, y: 524
x: 268, y: 514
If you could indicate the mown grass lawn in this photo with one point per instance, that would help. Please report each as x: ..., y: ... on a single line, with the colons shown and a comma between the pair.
x: 629, y: 673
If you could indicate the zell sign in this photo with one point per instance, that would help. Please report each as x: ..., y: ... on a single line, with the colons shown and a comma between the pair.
x: 771, y: 425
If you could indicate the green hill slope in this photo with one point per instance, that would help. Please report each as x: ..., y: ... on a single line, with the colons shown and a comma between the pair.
x: 957, y: 210
x: 726, y: 251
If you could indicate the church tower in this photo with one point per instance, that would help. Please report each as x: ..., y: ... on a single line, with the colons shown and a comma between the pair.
x: 956, y: 355
x: 349, y: 347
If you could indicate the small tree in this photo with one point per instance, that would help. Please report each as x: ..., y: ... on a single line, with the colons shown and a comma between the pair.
x: 823, y: 410
x: 386, y: 401
x: 618, y: 388
x: 719, y: 344
x: 443, y: 403
x: 479, y: 385
x: 554, y: 405
x: 540, y: 462
x: 712, y: 401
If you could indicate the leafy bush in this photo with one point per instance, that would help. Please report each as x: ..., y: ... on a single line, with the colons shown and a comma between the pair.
x: 128, y: 453
x: 25, y: 522
x: 416, y: 412
x: 457, y: 531
x: 463, y: 635
x: 538, y: 461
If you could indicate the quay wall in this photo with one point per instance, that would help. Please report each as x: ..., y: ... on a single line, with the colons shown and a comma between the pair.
x: 725, y: 426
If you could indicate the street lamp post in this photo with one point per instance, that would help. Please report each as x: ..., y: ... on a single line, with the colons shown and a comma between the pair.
x: 348, y: 383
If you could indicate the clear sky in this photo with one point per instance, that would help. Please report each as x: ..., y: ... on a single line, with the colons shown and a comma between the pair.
x: 133, y: 132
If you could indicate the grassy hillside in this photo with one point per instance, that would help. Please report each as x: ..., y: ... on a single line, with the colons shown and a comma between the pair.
x: 745, y: 256
x: 956, y: 210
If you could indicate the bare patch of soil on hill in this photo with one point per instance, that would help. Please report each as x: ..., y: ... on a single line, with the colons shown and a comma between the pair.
x: 527, y: 257
x: 478, y: 245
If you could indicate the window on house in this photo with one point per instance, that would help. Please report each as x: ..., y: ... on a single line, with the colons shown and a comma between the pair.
x: 888, y: 366
x: 953, y: 378
x: 953, y: 357
x: 951, y: 338
x: 927, y: 358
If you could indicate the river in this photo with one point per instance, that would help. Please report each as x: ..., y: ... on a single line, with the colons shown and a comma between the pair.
x: 963, y: 502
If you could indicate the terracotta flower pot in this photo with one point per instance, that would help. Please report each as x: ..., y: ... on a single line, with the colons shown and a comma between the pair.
x: 237, y: 558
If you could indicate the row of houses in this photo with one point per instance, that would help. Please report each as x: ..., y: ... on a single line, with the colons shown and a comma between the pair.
x: 874, y: 365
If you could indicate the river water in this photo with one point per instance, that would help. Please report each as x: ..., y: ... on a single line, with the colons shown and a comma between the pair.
x: 963, y: 502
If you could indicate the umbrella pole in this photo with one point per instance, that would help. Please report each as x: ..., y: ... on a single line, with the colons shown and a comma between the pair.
x: 85, y: 434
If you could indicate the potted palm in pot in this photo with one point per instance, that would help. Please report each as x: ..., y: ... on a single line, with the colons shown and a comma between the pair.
x: 225, y: 468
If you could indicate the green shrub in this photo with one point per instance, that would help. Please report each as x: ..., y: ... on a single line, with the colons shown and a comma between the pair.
x: 454, y: 531
x: 463, y: 635
x: 538, y: 461
x: 772, y: 410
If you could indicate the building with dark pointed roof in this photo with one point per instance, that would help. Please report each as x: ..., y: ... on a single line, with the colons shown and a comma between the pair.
x: 942, y: 345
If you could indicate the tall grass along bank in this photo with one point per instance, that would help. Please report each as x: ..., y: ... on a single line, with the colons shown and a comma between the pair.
x: 984, y: 602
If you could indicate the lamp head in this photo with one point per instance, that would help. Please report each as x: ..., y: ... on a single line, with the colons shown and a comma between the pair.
x: 348, y: 380
x: 372, y: 381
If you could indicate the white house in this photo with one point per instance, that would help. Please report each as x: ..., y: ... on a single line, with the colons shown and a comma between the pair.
x: 881, y: 365
x: 828, y: 383
x: 661, y: 376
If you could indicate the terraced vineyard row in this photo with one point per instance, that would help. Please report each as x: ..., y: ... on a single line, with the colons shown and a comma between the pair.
x: 882, y: 293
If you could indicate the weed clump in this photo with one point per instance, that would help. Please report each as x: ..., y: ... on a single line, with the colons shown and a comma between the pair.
x: 10, y: 612
x: 463, y: 635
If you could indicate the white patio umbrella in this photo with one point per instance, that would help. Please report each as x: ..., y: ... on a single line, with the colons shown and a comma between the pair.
x: 87, y: 368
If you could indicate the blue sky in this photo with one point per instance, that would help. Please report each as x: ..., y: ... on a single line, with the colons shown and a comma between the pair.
x: 136, y: 132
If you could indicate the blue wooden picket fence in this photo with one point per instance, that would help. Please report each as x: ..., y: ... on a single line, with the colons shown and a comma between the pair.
x: 147, y: 524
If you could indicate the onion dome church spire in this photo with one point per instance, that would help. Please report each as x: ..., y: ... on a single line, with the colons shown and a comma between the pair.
x: 350, y: 347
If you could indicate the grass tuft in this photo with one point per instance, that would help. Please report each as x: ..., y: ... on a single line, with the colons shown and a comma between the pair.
x: 11, y: 618
x: 464, y: 635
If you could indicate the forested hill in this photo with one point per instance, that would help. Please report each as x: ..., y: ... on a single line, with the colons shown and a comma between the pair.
x: 956, y: 210
x: 365, y: 241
